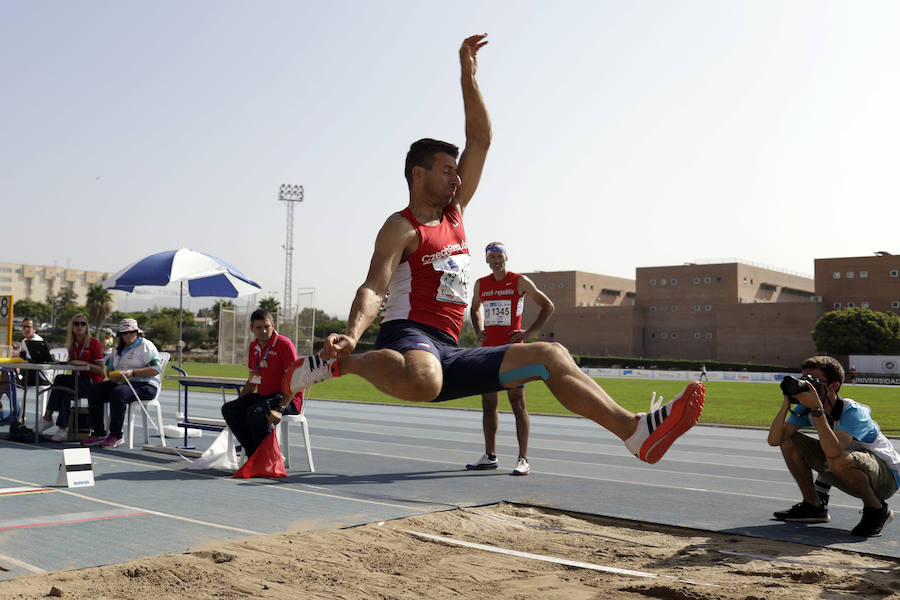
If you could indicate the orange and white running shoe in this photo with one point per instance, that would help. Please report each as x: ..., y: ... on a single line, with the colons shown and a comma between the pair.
x: 658, y: 429
x: 306, y: 371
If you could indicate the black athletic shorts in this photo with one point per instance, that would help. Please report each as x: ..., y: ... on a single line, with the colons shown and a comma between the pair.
x: 467, y: 371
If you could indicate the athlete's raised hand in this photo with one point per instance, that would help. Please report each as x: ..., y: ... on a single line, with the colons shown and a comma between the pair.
x: 468, y: 51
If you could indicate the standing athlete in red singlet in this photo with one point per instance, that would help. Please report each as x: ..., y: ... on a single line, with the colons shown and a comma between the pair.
x: 420, y: 273
x: 502, y: 294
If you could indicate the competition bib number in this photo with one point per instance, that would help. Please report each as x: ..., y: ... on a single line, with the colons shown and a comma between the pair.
x: 454, y: 286
x: 497, y: 312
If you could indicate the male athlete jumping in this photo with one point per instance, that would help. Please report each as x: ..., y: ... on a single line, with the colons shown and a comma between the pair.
x: 419, y: 277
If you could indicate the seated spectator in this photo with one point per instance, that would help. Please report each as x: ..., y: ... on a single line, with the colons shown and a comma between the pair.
x: 84, y: 349
x: 29, y: 334
x: 261, y: 403
x: 136, y: 359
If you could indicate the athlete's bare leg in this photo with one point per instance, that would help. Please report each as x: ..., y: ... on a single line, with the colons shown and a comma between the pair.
x: 414, y: 375
x: 490, y: 421
x: 574, y: 389
x: 523, y: 421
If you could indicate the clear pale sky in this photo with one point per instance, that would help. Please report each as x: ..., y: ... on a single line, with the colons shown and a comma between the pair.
x: 626, y: 133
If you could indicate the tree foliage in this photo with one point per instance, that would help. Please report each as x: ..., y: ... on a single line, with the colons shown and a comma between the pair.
x: 39, y: 311
x: 857, y: 331
x: 99, y: 305
x: 63, y: 299
x: 270, y: 305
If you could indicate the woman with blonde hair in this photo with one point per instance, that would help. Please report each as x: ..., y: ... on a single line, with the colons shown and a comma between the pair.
x: 83, y: 350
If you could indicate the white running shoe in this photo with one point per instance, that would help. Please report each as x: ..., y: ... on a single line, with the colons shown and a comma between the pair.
x: 522, y: 467
x: 44, y: 425
x: 306, y: 371
x: 484, y: 463
x: 659, y: 429
x: 61, y: 435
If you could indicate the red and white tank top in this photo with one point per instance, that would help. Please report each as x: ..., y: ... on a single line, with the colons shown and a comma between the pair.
x: 432, y: 285
x: 502, y: 306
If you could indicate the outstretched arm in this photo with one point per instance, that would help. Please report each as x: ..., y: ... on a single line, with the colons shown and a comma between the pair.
x: 396, y: 239
x: 527, y: 288
x: 478, y: 123
x: 475, y: 313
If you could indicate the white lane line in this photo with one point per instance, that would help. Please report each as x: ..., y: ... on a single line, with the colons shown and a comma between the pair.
x: 20, y: 564
x: 146, y: 510
x: 550, y: 559
x: 625, y: 481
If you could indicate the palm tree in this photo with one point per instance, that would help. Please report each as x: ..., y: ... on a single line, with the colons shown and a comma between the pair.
x: 99, y: 305
x: 270, y: 305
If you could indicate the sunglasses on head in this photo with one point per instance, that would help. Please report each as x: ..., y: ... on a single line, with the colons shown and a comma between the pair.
x: 79, y: 324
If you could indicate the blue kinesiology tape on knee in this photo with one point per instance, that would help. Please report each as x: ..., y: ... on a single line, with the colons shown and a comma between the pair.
x: 535, y: 371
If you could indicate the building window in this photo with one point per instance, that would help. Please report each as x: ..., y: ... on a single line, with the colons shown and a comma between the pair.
x: 592, y: 287
x: 552, y: 285
x: 543, y: 286
x: 584, y: 286
x: 674, y: 335
x: 851, y: 305
x: 893, y: 272
x: 863, y: 274
x: 707, y: 279
x: 895, y: 304
x: 663, y: 308
x: 849, y: 274
x: 662, y: 282
x: 696, y: 280
x: 837, y: 305
x: 709, y: 335
x: 663, y: 335
x: 697, y: 307
x: 836, y: 275
x: 653, y: 336
x: 697, y: 335
x: 708, y: 307
x: 718, y: 280
x: 674, y: 281
x: 864, y: 304
x: 673, y: 308
x: 652, y: 308
x: 560, y: 285
x: 652, y: 282
x: 5, y: 288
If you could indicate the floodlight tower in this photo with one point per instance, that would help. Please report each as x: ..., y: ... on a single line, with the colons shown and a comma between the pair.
x: 292, y: 194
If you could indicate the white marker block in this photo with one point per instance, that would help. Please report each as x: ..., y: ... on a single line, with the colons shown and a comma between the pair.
x: 75, y: 468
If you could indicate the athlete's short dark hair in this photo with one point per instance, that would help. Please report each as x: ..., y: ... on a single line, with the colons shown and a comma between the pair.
x: 421, y: 154
x: 261, y: 315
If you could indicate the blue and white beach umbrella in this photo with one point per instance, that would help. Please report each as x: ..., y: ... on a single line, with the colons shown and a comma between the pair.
x: 163, y: 272
x: 168, y: 272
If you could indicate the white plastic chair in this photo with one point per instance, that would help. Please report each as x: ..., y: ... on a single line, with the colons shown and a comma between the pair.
x: 154, y: 403
x: 283, y: 435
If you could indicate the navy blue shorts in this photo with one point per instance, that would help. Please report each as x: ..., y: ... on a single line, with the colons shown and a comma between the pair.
x: 467, y: 371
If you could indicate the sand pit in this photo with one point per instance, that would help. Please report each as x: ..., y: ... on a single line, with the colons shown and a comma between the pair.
x: 387, y: 561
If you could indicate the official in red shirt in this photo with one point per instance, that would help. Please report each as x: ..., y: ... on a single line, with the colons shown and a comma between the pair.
x: 261, y: 404
x: 502, y: 296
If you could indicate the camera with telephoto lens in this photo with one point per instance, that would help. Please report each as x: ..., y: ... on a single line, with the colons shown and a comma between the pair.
x: 791, y: 386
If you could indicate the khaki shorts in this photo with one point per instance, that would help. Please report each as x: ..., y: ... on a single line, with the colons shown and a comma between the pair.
x: 880, y: 476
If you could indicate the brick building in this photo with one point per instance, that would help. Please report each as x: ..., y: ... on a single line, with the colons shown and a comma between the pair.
x: 719, y: 311
x: 871, y: 282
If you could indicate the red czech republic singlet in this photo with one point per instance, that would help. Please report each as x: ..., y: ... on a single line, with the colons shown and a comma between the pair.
x: 432, y: 285
x: 503, y: 307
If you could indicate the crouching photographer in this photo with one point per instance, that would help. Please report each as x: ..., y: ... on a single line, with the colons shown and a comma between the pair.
x: 851, y: 452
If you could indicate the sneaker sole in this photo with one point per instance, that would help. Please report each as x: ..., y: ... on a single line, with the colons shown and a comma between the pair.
x: 289, y: 387
x: 685, y: 413
x: 805, y: 520
x: 517, y: 474
x: 480, y: 467
x: 289, y: 377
